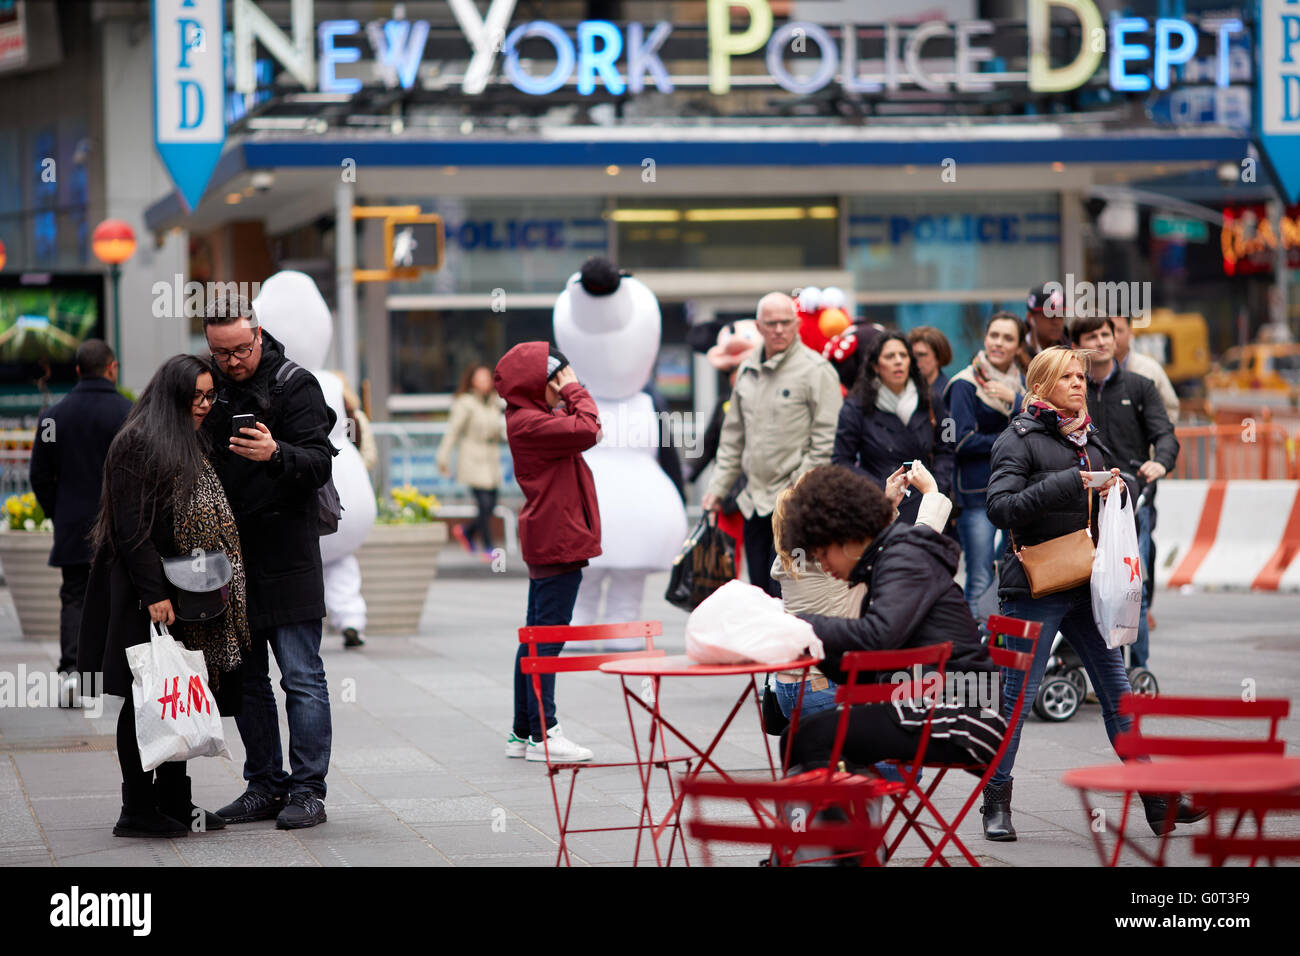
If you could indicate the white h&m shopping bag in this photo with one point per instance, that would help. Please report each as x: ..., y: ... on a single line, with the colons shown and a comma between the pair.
x: 1117, y: 571
x: 176, y: 716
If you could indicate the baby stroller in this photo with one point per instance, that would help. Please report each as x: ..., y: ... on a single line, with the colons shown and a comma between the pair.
x: 1065, y: 682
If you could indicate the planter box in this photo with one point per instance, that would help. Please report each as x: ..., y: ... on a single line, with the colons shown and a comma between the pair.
x: 398, y: 563
x: 33, y: 584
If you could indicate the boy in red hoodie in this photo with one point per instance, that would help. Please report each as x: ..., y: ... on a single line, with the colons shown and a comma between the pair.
x: 550, y: 422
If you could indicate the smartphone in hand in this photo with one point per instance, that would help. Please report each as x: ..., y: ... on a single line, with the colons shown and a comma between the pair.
x: 1096, y: 479
x: 241, y: 421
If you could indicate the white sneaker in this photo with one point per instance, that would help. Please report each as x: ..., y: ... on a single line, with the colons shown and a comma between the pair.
x: 563, y: 750
x: 516, y: 746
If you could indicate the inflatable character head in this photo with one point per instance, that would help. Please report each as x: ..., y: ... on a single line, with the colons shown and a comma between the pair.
x: 292, y: 309
x: 735, y: 341
x: 608, y: 324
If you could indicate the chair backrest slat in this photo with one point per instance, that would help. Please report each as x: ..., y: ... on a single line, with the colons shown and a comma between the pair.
x: 1135, y: 743
x: 581, y: 662
x: 555, y: 633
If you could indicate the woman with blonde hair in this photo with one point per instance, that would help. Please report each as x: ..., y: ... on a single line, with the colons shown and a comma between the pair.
x: 1038, y: 491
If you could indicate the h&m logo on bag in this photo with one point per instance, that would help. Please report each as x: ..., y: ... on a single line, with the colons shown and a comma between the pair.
x: 77, y: 909
x: 196, y: 703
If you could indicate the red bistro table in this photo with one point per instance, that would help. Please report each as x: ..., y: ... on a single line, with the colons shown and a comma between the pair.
x: 679, y: 665
x: 1194, y: 776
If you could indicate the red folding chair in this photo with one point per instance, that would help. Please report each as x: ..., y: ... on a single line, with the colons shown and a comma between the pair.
x: 1134, y: 744
x: 802, y: 798
x: 913, y: 800
x: 536, y: 665
x: 1220, y: 848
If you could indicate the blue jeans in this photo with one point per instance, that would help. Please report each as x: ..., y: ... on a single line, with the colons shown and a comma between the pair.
x: 307, y: 704
x: 550, y: 601
x: 978, y: 539
x: 1140, y: 651
x: 1069, y: 612
x: 814, y: 701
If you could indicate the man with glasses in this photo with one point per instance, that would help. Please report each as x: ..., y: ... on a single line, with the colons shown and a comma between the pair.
x: 67, y: 475
x: 780, y: 423
x: 271, y: 474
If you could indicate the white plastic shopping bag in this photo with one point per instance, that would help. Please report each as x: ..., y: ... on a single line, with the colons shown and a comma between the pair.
x: 176, y: 715
x: 1117, y: 571
x: 739, y: 623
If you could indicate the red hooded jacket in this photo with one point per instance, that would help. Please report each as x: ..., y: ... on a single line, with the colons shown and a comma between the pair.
x: 560, y: 521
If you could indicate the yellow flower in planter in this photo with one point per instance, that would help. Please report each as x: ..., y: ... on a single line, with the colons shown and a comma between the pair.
x: 405, y: 505
x: 24, y: 513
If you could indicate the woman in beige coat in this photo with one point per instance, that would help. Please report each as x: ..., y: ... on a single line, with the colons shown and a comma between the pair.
x: 475, y: 432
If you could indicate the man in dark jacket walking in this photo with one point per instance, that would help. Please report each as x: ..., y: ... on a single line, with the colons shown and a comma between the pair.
x: 1132, y: 422
x: 271, y: 474
x: 550, y: 421
x: 67, y: 475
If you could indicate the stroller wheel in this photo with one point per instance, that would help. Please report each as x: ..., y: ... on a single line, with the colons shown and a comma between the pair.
x: 1143, y: 682
x: 1059, y: 698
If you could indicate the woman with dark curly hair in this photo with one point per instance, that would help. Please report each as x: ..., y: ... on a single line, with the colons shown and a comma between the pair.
x: 890, y: 418
x: 845, y: 522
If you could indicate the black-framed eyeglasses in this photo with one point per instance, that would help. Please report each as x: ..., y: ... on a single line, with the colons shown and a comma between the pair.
x: 205, y: 398
x: 225, y: 355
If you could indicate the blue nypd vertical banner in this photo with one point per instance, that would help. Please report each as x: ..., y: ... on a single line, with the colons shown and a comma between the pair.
x: 1278, y: 33
x: 189, y: 91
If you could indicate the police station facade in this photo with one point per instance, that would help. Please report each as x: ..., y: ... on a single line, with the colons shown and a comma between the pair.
x: 937, y: 217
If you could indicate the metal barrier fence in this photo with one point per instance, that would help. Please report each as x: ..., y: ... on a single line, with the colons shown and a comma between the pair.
x: 15, y: 461
x: 1257, y: 450
x: 408, y: 456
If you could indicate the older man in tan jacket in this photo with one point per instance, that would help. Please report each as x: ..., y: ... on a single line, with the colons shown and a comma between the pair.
x: 780, y: 423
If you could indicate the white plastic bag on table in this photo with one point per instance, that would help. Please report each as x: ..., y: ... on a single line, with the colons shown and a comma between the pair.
x: 176, y: 715
x: 739, y: 623
x: 1117, y: 571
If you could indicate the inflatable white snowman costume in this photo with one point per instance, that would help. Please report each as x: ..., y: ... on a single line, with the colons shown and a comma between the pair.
x: 608, y: 326
x: 291, y: 308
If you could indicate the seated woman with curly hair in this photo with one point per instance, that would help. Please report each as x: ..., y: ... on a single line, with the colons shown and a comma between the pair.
x: 845, y: 522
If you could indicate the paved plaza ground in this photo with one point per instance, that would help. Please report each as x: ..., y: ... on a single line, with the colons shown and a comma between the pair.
x: 418, y: 777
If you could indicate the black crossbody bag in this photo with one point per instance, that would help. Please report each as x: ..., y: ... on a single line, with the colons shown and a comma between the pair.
x: 200, y: 584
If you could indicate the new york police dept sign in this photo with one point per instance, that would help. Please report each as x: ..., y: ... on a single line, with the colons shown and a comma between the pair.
x: 189, y: 91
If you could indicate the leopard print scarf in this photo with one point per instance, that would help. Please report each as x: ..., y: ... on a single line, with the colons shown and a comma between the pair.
x: 205, y: 522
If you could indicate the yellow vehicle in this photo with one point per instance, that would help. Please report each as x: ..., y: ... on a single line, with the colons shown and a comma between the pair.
x: 1178, y: 341
x: 1264, y: 373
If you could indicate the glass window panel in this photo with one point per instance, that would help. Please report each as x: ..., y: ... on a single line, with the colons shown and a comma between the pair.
x: 962, y: 323
x: 519, y: 245
x: 970, y: 241
x: 745, y: 234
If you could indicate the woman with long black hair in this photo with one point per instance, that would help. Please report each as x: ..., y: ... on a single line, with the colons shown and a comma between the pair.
x: 890, y: 419
x: 161, y: 498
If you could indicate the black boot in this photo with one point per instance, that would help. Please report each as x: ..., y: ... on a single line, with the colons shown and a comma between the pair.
x: 174, y: 800
x: 1157, y: 809
x: 140, y: 816
x: 997, y: 813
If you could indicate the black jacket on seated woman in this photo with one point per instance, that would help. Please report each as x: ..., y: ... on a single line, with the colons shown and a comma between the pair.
x: 846, y: 523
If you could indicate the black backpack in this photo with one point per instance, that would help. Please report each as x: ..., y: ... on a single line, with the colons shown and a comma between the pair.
x: 329, y: 507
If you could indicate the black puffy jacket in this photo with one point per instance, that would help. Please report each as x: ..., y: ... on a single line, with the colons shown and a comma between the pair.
x: 1035, y: 491
x: 912, y: 601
